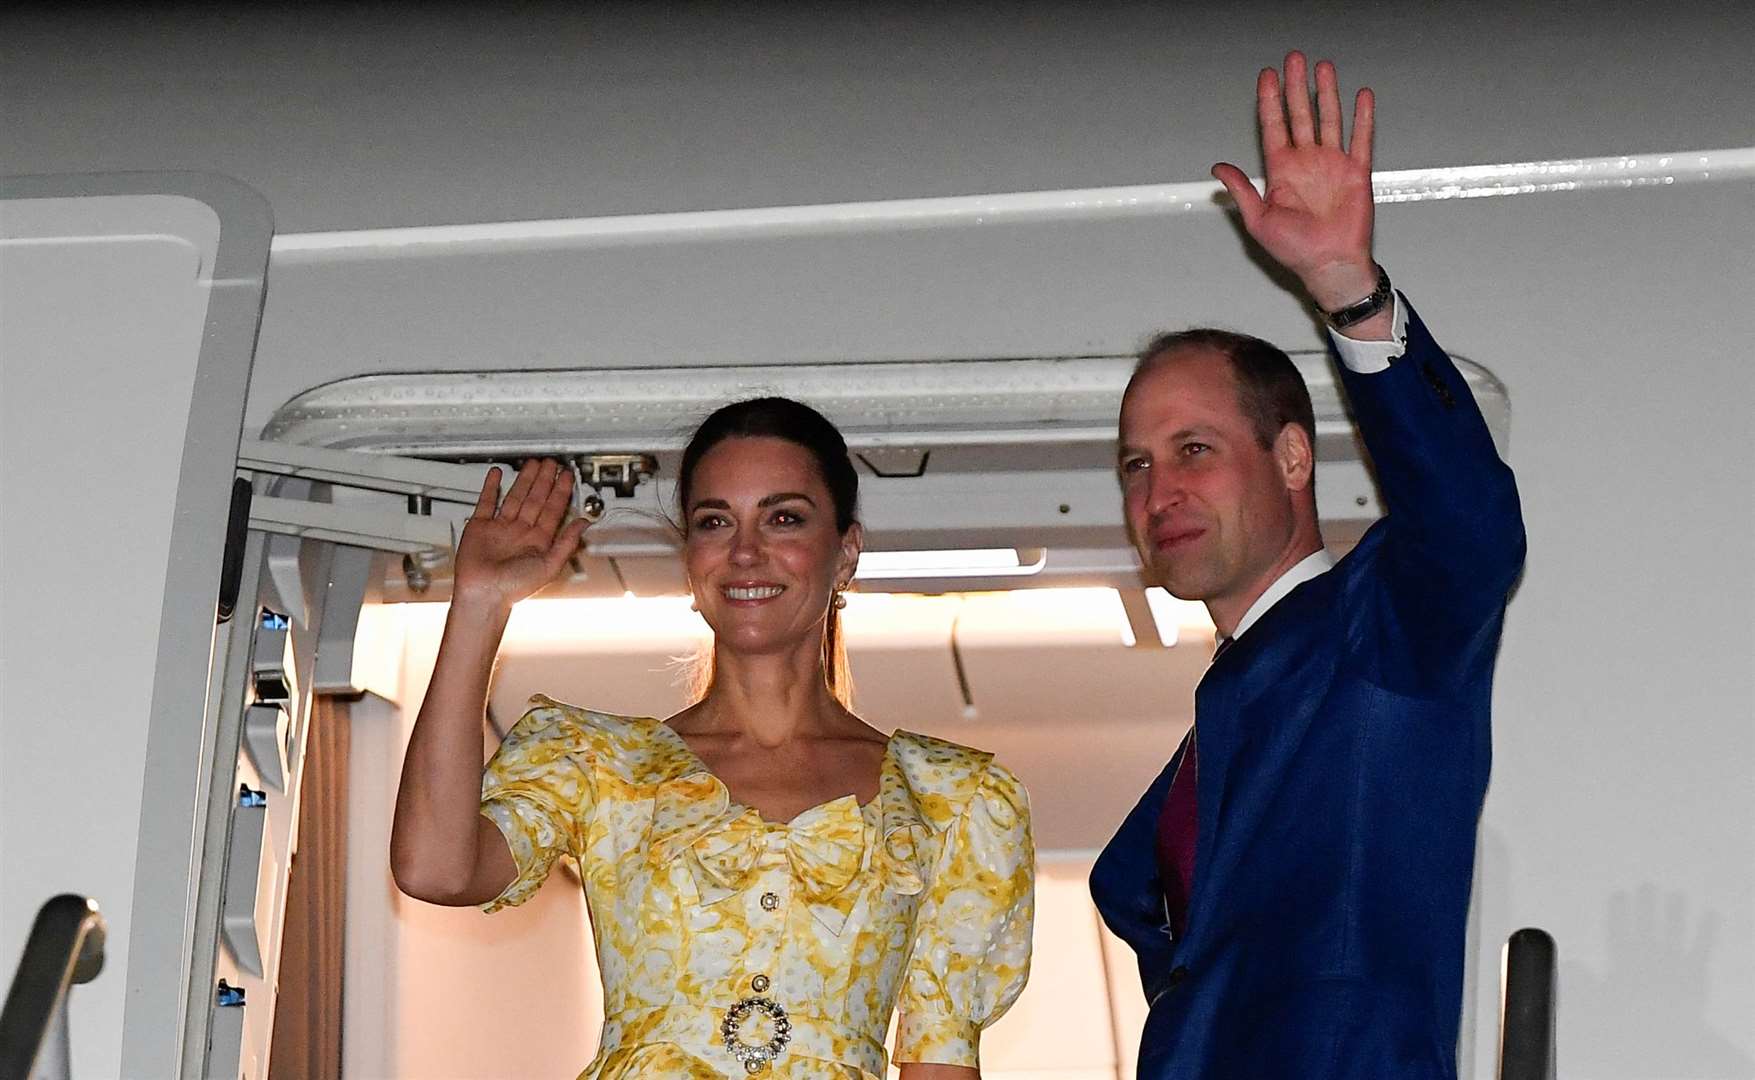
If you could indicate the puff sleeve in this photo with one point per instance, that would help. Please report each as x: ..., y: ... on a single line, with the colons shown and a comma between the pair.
x: 972, y: 937
x: 538, y: 789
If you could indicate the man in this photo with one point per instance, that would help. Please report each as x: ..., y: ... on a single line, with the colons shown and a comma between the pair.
x: 1296, y: 881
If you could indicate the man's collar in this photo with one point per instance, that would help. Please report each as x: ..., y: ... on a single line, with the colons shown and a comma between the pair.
x: 1310, y: 566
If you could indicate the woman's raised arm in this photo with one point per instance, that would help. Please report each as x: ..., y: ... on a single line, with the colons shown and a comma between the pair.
x: 441, y: 849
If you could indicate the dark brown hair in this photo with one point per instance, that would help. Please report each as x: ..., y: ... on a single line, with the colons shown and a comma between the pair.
x: 778, y: 418
x: 1270, y: 391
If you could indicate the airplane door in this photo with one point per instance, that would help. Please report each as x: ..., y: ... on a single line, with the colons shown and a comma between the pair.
x: 129, y: 306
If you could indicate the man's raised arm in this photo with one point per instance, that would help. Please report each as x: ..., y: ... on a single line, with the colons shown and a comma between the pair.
x: 1454, y: 532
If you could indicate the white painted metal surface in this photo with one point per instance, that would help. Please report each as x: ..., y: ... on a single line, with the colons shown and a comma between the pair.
x: 1018, y: 208
x: 1050, y: 403
x: 129, y: 307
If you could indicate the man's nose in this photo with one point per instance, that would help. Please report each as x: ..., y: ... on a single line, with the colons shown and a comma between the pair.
x: 1163, y: 490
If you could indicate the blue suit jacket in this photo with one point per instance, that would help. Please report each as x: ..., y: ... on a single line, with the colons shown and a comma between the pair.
x: 1344, y: 748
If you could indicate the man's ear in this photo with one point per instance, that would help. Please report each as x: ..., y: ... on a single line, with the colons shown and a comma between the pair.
x: 1295, y: 457
x: 852, y: 543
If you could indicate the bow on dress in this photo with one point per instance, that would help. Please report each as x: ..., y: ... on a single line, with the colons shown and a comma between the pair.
x: 825, y: 847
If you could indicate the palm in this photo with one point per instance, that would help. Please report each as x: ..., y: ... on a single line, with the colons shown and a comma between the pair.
x: 511, y: 550
x: 1317, y: 208
x: 1316, y: 213
x: 507, y: 554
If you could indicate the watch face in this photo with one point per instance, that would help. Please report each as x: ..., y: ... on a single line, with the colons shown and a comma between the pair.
x: 1365, y: 308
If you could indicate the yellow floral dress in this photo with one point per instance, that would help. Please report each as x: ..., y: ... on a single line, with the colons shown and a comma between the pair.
x: 731, y: 945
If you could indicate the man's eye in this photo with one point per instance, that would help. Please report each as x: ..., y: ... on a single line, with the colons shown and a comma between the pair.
x: 1194, y: 449
x: 1134, y: 465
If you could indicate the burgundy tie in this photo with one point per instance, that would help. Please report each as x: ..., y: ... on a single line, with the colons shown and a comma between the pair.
x: 1178, y: 829
x: 1178, y: 826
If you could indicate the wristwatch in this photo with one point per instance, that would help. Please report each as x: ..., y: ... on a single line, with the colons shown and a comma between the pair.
x: 1361, y: 310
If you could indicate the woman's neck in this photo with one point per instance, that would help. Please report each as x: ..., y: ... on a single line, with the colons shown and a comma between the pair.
x: 770, y: 699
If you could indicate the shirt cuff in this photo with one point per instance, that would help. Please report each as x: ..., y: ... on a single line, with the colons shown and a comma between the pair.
x: 942, y: 1040
x: 524, y: 855
x: 1366, y: 357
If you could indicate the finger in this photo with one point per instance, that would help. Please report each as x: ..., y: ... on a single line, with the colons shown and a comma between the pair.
x: 1242, y: 192
x: 1298, y: 100
x: 566, y: 544
x: 541, y: 486
x: 513, y: 504
x: 1328, y: 105
x: 490, y: 494
x: 1364, y: 126
x: 559, y: 501
x: 1270, y: 111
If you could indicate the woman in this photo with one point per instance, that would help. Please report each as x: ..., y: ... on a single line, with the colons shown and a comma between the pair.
x: 768, y: 876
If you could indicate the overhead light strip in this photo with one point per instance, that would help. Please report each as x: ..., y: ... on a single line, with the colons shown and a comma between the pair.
x: 966, y: 562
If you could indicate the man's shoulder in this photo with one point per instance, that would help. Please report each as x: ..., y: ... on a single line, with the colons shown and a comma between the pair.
x: 1319, y: 615
x: 1361, y: 558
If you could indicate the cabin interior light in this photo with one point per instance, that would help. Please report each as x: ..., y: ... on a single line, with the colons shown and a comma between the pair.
x: 964, y: 562
x: 1175, y: 617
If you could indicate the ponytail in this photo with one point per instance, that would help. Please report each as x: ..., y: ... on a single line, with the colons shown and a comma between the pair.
x: 836, y: 671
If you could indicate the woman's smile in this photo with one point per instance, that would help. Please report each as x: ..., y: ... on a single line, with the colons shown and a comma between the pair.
x: 755, y: 593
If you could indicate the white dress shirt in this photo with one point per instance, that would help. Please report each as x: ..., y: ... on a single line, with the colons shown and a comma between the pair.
x: 1366, y: 357
x: 1303, y: 570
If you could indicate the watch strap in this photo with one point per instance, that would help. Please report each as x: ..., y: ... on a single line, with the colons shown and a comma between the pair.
x: 1361, y: 310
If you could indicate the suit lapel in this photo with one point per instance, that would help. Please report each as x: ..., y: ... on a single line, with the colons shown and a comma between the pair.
x: 1255, y: 662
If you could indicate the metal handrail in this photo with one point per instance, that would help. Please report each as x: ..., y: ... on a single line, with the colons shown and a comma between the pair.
x: 66, y: 946
x: 1526, y: 1007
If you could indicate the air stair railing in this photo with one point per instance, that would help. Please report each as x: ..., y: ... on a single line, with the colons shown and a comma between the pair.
x: 1526, y: 1007
x: 65, y: 947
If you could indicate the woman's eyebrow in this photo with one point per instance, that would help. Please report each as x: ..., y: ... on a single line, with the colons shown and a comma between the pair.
x: 766, y: 500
